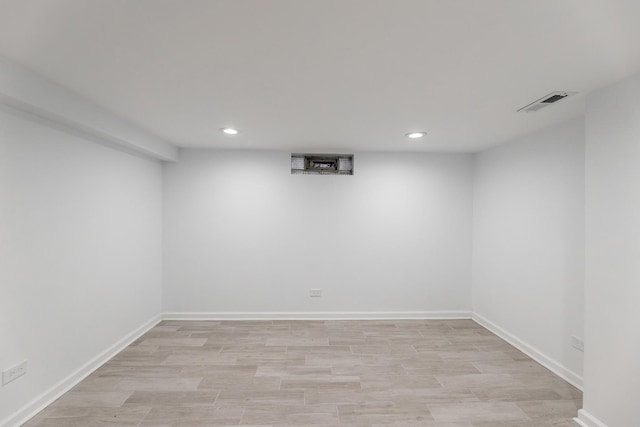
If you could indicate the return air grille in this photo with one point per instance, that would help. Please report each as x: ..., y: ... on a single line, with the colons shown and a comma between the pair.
x: 545, y: 101
x: 322, y: 164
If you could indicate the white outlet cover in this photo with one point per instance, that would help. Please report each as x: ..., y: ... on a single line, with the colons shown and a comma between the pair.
x: 14, y: 372
x: 577, y: 343
x: 315, y: 293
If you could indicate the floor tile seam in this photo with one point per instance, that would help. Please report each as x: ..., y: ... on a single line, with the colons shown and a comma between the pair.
x: 244, y: 410
x: 145, y: 416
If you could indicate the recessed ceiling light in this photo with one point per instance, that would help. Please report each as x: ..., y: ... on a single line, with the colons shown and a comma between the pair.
x: 416, y: 135
x: 229, y: 131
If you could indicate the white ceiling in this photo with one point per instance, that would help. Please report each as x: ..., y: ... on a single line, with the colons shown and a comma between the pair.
x: 328, y: 75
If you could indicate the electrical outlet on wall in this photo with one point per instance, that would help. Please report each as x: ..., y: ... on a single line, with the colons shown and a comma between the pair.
x: 577, y: 343
x: 14, y: 372
x: 315, y: 293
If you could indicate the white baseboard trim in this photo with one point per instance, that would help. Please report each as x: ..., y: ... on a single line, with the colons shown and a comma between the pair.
x: 36, y: 405
x: 585, y: 419
x: 317, y: 315
x: 555, y: 367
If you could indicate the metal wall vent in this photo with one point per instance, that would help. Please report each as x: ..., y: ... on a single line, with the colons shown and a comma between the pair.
x: 322, y: 164
x: 545, y: 101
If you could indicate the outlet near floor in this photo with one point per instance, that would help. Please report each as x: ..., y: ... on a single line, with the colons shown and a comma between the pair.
x: 577, y: 343
x: 14, y: 372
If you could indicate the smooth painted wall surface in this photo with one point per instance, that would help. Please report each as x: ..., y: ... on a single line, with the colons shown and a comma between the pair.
x: 612, y: 292
x: 29, y: 92
x: 80, y: 252
x: 528, y: 244
x: 241, y: 234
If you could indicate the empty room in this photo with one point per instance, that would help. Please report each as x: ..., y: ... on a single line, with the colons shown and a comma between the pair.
x: 356, y: 213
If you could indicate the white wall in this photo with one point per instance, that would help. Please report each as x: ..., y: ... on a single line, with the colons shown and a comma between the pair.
x: 612, y: 293
x: 80, y: 252
x: 244, y: 235
x: 528, y: 244
x: 29, y: 93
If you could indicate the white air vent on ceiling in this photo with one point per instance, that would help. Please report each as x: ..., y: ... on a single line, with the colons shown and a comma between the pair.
x: 545, y: 101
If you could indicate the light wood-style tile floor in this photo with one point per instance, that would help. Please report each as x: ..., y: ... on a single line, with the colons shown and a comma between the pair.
x: 436, y: 373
